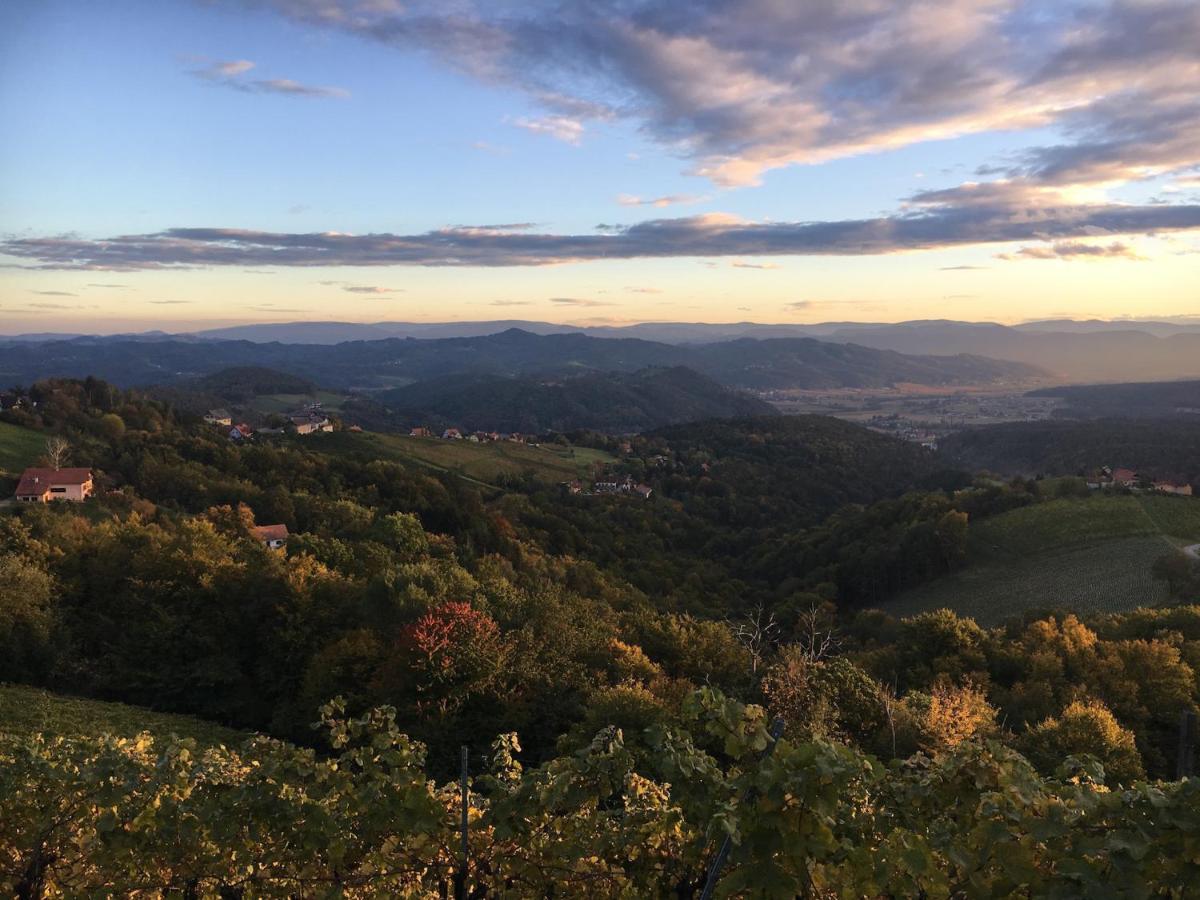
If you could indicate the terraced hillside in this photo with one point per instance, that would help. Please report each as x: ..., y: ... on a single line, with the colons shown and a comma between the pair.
x: 1086, y: 555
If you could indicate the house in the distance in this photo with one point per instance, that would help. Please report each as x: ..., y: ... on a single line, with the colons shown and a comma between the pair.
x: 218, y: 417
x: 1124, y: 477
x: 452, y: 434
x: 310, y: 422
x: 274, y: 536
x: 420, y: 431
x: 39, y: 485
x: 240, y: 432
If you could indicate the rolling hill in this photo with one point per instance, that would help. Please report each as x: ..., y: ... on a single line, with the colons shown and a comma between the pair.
x: 776, y: 363
x: 1092, y: 554
x: 1139, y: 400
x: 1156, y: 448
x: 610, y: 402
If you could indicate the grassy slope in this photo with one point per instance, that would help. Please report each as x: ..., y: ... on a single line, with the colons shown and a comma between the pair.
x: 286, y: 403
x: 27, y: 709
x: 1091, y: 554
x: 480, y: 462
x: 19, y: 447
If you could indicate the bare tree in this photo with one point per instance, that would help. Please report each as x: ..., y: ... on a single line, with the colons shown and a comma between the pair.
x: 758, y: 632
x: 57, y: 451
x: 816, y: 632
x: 887, y: 694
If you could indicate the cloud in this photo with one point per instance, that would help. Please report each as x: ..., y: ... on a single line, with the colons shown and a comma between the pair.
x: 668, y: 200
x: 741, y: 87
x: 800, y: 304
x: 574, y: 301
x: 741, y: 264
x: 54, y: 293
x: 96, y: 285
x: 963, y: 268
x: 269, y: 308
x: 561, y: 128
x: 170, y: 302
x: 370, y: 289
x: 949, y: 219
x: 229, y: 73
x: 644, y: 290
x: 1067, y: 250
x: 510, y: 303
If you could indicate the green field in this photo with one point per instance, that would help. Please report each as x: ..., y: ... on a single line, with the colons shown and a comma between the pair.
x: 479, y: 462
x: 287, y: 403
x: 27, y: 710
x: 1087, y: 555
x: 19, y: 447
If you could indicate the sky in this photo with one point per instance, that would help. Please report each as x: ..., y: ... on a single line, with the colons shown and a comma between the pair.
x: 177, y: 164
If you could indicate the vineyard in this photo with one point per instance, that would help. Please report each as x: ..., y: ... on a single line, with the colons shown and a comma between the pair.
x: 1086, y: 555
x: 630, y: 815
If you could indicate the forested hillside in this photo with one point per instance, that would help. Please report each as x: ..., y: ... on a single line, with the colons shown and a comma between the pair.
x: 1156, y: 448
x: 609, y: 402
x: 611, y: 662
x: 1139, y: 400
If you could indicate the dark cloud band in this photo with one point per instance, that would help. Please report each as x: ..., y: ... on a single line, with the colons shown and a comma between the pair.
x: 928, y: 228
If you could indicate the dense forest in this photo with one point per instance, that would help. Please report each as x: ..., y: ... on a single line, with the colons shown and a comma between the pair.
x: 610, y: 402
x: 1156, y: 448
x: 614, y: 665
x: 1137, y: 400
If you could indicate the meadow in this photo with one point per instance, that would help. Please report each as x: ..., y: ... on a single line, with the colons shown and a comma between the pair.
x: 19, y: 447
x: 1087, y: 555
x: 484, y: 463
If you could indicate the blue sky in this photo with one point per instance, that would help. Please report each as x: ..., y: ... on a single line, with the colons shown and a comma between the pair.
x: 363, y: 117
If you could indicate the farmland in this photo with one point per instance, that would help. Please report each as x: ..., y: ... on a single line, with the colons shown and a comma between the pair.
x: 25, y: 710
x: 1086, y: 555
x: 486, y: 462
x: 286, y: 403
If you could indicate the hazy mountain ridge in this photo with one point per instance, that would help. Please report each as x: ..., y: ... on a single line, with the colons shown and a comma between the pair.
x: 777, y: 363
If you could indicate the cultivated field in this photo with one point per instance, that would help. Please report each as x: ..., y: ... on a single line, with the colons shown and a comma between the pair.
x: 286, y: 403
x: 485, y: 463
x: 25, y: 710
x: 1087, y: 555
x: 19, y: 447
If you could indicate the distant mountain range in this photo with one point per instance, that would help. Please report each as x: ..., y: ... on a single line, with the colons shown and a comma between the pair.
x: 777, y: 363
x: 1068, y: 350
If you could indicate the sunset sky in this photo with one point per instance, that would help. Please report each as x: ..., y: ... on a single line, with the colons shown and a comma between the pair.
x: 176, y: 164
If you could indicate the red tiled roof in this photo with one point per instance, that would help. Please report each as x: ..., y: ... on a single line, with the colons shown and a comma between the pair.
x: 271, y: 532
x: 36, y: 481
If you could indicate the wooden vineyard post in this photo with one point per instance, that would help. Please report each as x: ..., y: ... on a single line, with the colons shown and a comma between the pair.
x: 718, y: 863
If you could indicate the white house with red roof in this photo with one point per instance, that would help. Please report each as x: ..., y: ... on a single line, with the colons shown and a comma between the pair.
x: 41, y: 485
x: 274, y: 536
